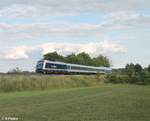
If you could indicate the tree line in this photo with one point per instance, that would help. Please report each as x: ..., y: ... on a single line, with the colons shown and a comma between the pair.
x: 132, y: 73
x: 81, y: 58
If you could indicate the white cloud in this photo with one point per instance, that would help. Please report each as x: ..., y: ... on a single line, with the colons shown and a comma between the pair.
x: 113, y: 47
x: 92, y: 48
x: 20, y: 52
x: 126, y: 20
x: 113, y: 21
x: 16, y: 10
x: 105, y: 47
x: 48, y: 28
x: 15, y: 32
x: 26, y: 8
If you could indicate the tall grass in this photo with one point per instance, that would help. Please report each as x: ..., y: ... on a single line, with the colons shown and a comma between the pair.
x: 10, y: 83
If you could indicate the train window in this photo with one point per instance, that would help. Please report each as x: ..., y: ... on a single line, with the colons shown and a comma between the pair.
x: 86, y: 69
x: 58, y: 66
x: 50, y: 65
x: 68, y: 67
x: 76, y: 68
x: 81, y: 68
x: 61, y: 66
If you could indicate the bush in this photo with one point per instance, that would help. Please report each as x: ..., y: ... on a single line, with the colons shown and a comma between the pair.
x: 134, y: 79
x: 147, y: 78
x: 111, y: 78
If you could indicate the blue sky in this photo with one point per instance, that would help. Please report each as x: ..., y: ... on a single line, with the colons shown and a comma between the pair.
x: 118, y: 29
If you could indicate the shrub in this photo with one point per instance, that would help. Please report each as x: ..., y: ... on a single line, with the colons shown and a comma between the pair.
x: 134, y: 79
x: 146, y: 78
x: 111, y: 78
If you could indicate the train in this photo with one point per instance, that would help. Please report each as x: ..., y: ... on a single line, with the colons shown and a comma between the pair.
x: 55, y: 67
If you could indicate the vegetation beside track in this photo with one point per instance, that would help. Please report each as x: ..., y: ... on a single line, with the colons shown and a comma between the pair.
x: 19, y: 82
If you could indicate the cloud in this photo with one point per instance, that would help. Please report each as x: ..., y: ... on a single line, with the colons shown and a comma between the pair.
x: 26, y: 8
x: 94, y: 49
x: 34, y: 31
x: 51, y: 28
x: 20, y: 52
x: 31, y: 31
x: 16, y: 10
x: 48, y: 7
x: 126, y: 20
x: 112, y: 47
x: 112, y: 21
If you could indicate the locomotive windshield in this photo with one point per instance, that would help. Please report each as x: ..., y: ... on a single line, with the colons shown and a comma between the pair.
x: 39, y: 65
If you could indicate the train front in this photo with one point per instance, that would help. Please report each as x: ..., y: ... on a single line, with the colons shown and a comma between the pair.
x: 39, y: 66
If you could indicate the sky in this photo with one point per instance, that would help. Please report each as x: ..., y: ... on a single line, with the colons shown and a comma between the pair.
x: 119, y: 29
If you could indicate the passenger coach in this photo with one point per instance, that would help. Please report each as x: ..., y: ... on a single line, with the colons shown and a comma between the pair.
x: 54, y: 67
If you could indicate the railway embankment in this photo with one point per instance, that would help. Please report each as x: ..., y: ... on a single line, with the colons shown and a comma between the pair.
x: 18, y: 82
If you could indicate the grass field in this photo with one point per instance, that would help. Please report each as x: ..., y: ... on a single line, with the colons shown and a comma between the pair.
x: 103, y: 103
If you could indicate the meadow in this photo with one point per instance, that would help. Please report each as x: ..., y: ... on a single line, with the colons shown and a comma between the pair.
x: 108, y: 102
x: 71, y: 98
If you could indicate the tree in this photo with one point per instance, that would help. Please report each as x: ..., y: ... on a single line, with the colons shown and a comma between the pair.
x: 130, y: 69
x: 54, y: 57
x: 81, y: 58
x: 138, y: 69
x: 71, y: 58
x: 84, y: 58
x: 101, y: 61
x: 148, y: 68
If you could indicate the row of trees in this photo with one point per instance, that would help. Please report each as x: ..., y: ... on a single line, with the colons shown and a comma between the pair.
x: 132, y: 73
x: 135, y: 69
x: 132, y: 69
x: 81, y: 58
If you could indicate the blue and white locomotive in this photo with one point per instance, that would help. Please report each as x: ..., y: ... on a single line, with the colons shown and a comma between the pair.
x: 54, y: 67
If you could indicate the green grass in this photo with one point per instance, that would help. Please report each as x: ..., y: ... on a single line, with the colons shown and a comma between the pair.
x: 102, y: 103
